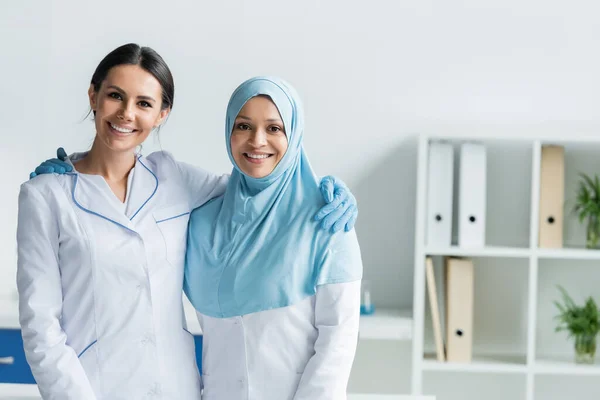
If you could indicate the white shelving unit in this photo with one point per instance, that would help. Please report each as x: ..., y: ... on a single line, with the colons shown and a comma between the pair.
x: 527, y: 361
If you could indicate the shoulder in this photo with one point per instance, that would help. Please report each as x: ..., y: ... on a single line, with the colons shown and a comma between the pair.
x: 345, y: 242
x: 343, y: 260
x: 46, y: 184
x: 162, y: 164
x: 158, y: 160
x: 45, y: 191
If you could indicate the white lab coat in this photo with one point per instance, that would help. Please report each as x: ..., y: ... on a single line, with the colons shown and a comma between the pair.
x: 301, y: 352
x: 101, y: 291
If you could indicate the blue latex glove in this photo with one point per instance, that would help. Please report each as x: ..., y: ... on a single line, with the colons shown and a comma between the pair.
x: 341, y: 209
x: 53, y: 165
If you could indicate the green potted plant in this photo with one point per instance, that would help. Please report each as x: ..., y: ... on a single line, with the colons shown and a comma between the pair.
x: 582, y: 323
x: 587, y: 206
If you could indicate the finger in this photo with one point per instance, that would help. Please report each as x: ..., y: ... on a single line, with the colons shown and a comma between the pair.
x: 352, y: 221
x: 56, y: 167
x: 327, y: 189
x: 44, y: 169
x: 335, y: 215
x: 61, y: 154
x: 346, y: 196
x: 328, y: 208
x: 57, y: 162
x: 343, y: 220
x: 59, y: 166
x: 343, y: 193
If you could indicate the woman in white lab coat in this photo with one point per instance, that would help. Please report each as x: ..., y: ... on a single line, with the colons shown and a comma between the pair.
x: 101, y: 250
x: 278, y: 301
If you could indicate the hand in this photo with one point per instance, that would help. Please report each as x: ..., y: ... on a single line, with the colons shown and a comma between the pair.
x: 341, y: 209
x: 53, y: 165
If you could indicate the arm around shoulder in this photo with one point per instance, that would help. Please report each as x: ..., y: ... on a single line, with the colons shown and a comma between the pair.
x: 201, y: 185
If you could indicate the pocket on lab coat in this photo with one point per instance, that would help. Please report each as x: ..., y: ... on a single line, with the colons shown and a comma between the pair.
x: 172, y: 222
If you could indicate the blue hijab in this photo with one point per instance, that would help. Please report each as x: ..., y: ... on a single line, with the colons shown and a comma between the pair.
x: 257, y: 247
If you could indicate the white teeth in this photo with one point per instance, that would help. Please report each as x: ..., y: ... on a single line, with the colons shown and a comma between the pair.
x: 258, y: 156
x: 122, y: 130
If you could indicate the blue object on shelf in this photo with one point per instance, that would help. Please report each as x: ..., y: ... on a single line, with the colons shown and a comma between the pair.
x: 367, y: 309
x: 366, y: 306
x: 11, y: 345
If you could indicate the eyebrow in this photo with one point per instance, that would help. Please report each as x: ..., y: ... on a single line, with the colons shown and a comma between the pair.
x: 268, y: 120
x: 139, y: 97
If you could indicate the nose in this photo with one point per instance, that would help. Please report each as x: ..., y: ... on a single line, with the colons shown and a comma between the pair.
x: 258, y: 138
x: 126, y: 112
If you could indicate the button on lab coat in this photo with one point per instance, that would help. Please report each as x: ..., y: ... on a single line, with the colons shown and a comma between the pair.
x: 101, y: 290
x: 301, y: 352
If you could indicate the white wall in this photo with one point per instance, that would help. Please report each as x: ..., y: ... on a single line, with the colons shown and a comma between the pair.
x: 372, y: 75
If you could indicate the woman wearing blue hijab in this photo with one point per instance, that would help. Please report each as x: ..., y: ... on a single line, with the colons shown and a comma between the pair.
x: 277, y: 299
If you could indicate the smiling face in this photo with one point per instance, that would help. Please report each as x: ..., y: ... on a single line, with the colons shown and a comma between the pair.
x: 127, y: 107
x: 258, y: 138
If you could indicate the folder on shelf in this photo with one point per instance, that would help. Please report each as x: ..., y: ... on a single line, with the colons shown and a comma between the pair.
x: 440, y: 178
x: 552, y: 196
x: 459, y: 309
x: 472, y: 195
x: 435, y: 310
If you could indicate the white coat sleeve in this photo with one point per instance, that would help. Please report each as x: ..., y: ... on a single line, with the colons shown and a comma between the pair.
x: 54, y: 364
x: 337, y: 314
x: 202, y: 185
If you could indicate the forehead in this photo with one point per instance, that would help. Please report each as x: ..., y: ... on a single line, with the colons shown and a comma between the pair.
x: 134, y: 79
x: 260, y: 106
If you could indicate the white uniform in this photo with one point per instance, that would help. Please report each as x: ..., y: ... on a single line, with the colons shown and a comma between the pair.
x: 101, y: 289
x: 301, y: 352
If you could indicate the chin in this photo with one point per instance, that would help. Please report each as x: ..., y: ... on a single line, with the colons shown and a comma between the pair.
x: 255, y: 174
x: 255, y: 171
x: 122, y: 147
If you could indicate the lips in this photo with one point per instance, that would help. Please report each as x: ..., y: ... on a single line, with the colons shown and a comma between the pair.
x: 121, y: 130
x: 257, y: 158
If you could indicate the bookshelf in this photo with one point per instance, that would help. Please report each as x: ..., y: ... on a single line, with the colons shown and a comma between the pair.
x: 514, y: 338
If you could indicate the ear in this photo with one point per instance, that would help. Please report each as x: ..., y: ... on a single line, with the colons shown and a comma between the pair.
x: 162, y: 116
x: 93, y: 98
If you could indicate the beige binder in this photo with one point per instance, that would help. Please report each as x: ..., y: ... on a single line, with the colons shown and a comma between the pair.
x: 435, y: 310
x: 552, y: 195
x: 459, y: 309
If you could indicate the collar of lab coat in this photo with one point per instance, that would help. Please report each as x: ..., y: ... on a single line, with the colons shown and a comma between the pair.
x: 92, y: 194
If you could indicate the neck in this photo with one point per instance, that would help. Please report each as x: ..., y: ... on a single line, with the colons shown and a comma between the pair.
x: 112, y: 165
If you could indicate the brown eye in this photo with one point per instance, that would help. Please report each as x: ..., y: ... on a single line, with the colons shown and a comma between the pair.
x: 243, y: 127
x: 115, y: 95
x: 274, y: 129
